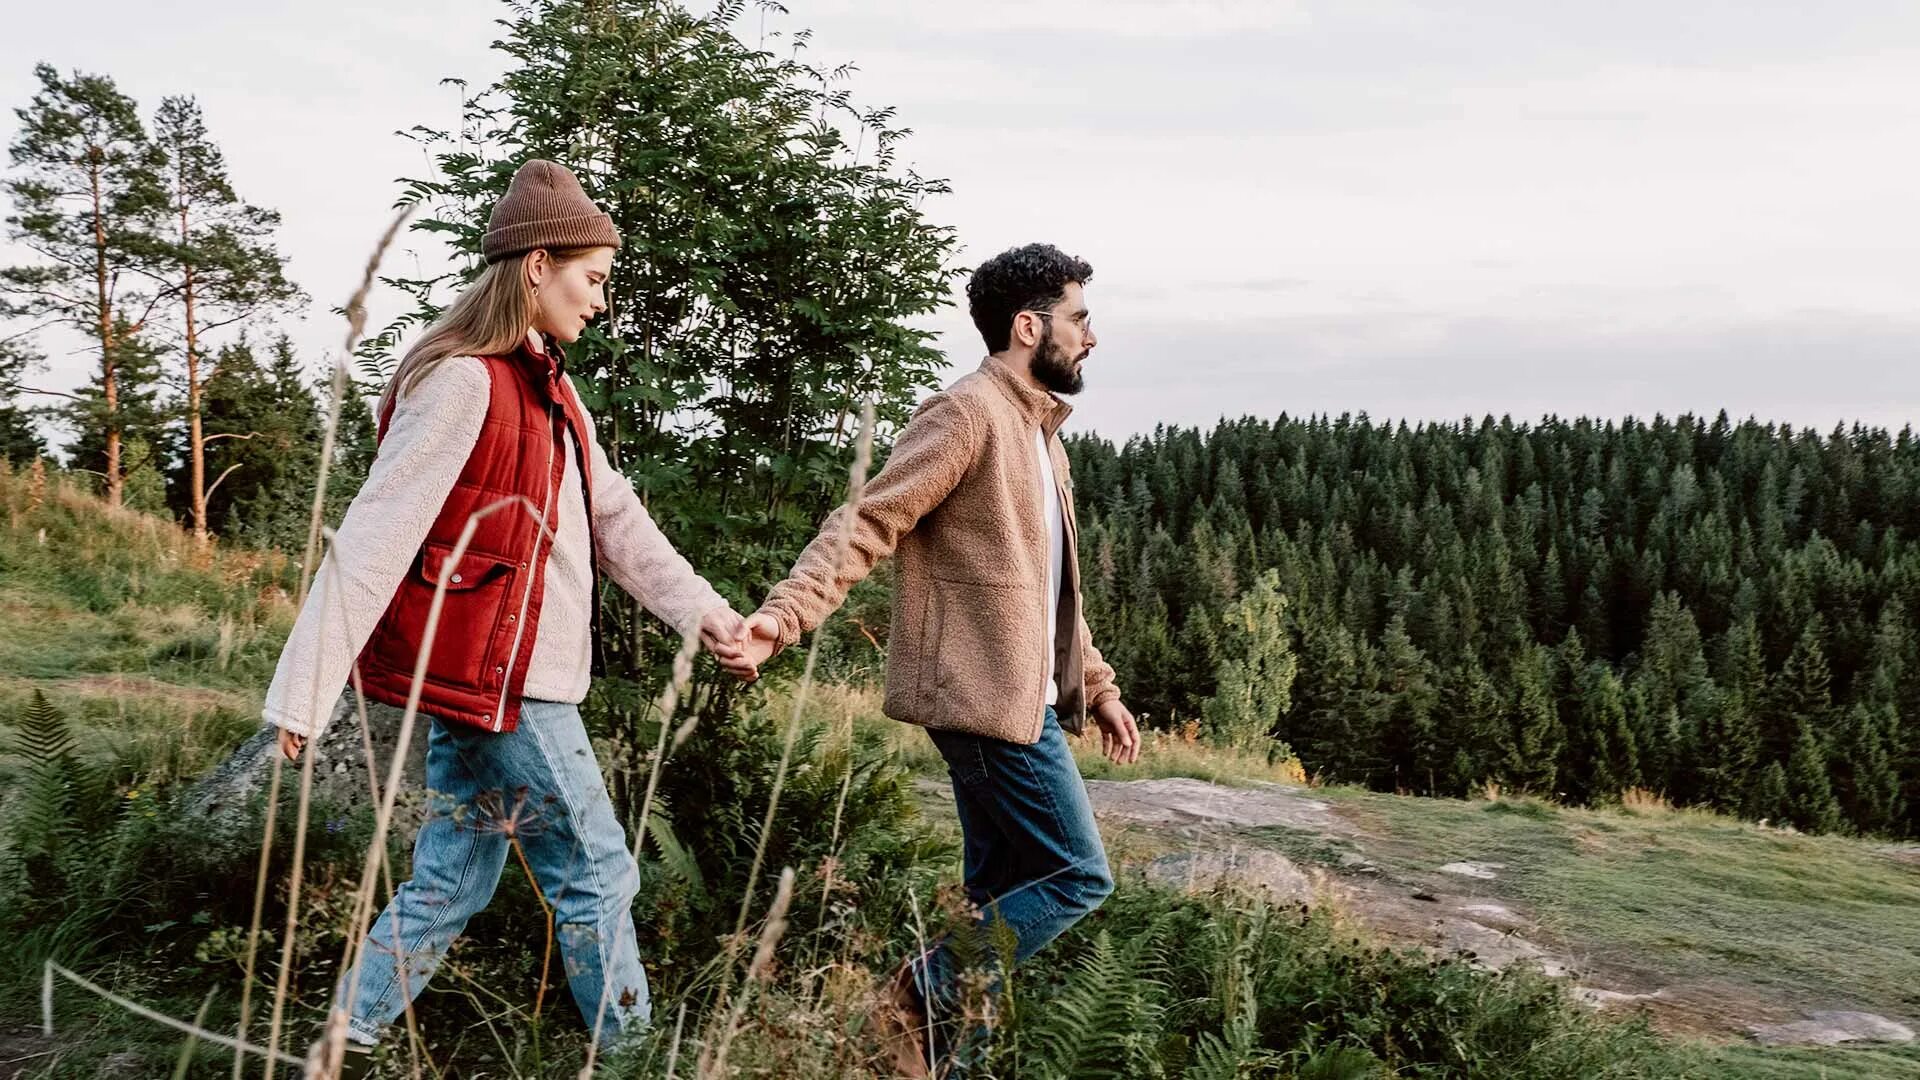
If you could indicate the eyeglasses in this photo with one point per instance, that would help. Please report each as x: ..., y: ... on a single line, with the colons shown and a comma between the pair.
x: 1085, y: 324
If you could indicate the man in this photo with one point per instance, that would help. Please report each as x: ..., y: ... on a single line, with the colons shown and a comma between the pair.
x: 988, y: 650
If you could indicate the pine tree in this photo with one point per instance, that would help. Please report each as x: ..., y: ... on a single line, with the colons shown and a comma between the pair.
x: 1532, y: 738
x: 87, y: 199
x: 1869, y: 785
x: 1810, y: 803
x: 1614, y: 757
x: 222, y: 266
x: 1329, y: 723
x: 1409, y: 695
x: 1768, y: 800
x: 20, y: 442
x: 1799, y: 697
x: 133, y: 426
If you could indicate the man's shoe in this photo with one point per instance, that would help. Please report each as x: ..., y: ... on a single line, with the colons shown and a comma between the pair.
x: 356, y: 1060
x: 902, y: 1027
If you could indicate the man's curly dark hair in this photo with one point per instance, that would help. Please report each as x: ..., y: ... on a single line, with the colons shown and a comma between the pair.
x: 1029, y: 278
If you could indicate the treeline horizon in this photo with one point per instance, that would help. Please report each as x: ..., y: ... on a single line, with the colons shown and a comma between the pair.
x: 1722, y: 612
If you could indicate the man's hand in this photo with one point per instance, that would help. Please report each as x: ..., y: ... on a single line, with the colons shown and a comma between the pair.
x: 291, y: 744
x: 1119, y: 735
x: 723, y: 633
x: 763, y: 638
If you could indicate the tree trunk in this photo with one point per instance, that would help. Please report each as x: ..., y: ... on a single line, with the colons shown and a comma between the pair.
x: 108, y: 384
x: 196, y: 444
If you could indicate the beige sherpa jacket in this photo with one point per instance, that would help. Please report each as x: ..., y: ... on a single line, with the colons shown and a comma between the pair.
x: 956, y: 503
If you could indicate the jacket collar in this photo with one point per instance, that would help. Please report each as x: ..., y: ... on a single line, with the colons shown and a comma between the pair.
x: 1036, y: 406
x: 545, y: 364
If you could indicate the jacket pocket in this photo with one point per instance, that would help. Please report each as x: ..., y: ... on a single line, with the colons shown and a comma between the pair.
x: 984, y: 652
x: 469, y: 640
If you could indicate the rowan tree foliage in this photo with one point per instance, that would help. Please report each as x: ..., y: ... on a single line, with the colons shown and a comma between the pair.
x: 776, y: 265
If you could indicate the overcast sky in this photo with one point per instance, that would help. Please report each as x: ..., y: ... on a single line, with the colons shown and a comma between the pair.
x: 1417, y: 209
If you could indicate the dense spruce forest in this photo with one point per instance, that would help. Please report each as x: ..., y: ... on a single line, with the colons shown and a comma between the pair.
x: 1723, y: 613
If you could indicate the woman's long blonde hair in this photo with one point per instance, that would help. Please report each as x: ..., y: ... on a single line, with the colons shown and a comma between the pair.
x: 490, y: 317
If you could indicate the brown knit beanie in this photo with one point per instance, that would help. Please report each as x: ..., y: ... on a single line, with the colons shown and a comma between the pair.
x: 545, y: 207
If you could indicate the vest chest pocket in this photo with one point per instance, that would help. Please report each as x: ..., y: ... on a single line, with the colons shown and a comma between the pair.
x: 471, y: 641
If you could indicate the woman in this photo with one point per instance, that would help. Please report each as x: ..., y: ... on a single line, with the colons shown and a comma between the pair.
x: 479, y: 422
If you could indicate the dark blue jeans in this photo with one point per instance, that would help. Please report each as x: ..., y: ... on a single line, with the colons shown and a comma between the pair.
x: 1033, y: 857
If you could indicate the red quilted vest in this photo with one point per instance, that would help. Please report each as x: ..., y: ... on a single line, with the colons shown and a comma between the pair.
x: 478, y: 663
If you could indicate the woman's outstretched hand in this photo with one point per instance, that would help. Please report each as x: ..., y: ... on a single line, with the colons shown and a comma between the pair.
x: 724, y: 634
x: 291, y: 744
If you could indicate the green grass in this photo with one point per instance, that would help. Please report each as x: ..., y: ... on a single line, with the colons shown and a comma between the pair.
x: 1762, y: 1063
x: 1164, y: 754
x: 157, y: 653
x: 1821, y: 922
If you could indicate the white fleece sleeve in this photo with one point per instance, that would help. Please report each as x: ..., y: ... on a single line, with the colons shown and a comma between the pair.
x: 427, y: 444
x: 638, y: 556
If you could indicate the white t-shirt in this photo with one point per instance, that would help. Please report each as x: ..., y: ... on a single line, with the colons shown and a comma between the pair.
x: 1056, y: 542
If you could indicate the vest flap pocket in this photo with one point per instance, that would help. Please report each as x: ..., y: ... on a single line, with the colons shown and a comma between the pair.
x: 475, y: 568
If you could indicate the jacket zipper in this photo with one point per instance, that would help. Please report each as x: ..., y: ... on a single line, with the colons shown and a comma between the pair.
x: 526, y: 595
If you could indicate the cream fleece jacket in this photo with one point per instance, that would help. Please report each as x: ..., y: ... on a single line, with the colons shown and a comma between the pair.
x: 427, y: 444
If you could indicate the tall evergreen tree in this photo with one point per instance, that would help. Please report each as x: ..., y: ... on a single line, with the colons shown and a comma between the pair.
x: 134, y: 425
x: 20, y: 442
x: 221, y: 265
x: 1532, y: 738
x: 1810, y: 803
x: 87, y: 198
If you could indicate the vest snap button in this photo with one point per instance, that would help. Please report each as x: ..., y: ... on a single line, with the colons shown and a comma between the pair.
x: 498, y: 669
x: 510, y: 618
x: 456, y: 579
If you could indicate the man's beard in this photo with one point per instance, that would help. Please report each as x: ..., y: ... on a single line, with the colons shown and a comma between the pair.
x: 1054, y: 368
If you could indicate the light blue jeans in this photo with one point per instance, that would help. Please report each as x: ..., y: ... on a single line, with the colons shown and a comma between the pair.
x: 541, y: 785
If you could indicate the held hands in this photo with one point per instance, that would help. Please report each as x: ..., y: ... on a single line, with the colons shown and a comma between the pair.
x: 724, y: 634
x: 740, y: 645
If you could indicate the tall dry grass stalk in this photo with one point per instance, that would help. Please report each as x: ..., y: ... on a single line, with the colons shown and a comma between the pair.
x: 713, y: 1057
x: 856, y: 487
x: 356, y: 325
x: 666, y: 705
x: 46, y: 1015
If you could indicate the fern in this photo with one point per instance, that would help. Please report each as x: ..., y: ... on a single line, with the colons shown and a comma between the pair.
x: 1342, y: 1063
x: 1228, y: 1053
x: 42, y: 736
x: 1104, y: 1022
x: 41, y: 814
x: 675, y: 859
